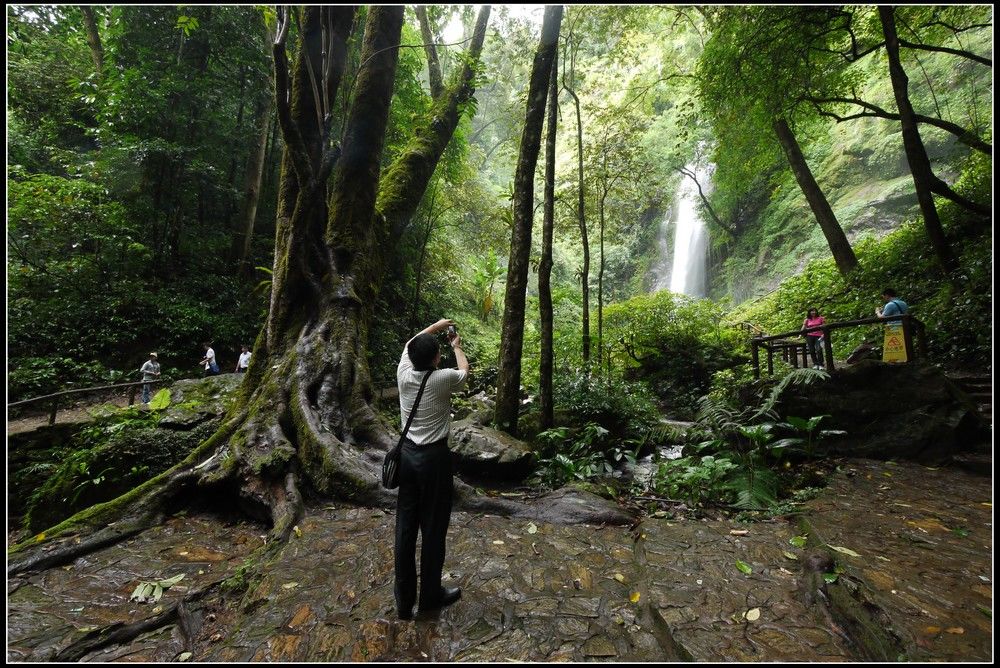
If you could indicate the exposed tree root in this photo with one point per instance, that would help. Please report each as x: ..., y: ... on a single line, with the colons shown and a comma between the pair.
x: 120, y: 633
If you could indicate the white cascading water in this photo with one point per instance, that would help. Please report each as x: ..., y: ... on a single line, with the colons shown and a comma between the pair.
x: 687, y: 270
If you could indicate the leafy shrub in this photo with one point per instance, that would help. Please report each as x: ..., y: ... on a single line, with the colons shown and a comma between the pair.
x: 623, y: 408
x: 673, y: 342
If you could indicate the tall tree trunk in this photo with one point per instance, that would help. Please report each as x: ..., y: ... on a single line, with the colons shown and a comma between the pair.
x: 433, y: 66
x: 93, y: 39
x: 916, y: 155
x: 243, y: 234
x: 512, y: 332
x: 582, y: 220
x: 600, y: 285
x: 545, y: 264
x: 843, y: 254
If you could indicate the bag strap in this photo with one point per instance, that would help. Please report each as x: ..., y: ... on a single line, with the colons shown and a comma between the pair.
x: 413, y: 409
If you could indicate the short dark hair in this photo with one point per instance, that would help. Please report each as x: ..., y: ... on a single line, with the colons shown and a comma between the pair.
x: 889, y: 291
x: 422, y: 349
x: 811, y: 310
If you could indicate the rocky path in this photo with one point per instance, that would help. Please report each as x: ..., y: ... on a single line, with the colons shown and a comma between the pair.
x: 662, y: 591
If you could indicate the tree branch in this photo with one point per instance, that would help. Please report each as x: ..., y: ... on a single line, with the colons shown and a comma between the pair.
x: 945, y: 49
x: 965, y: 136
x: 711, y: 212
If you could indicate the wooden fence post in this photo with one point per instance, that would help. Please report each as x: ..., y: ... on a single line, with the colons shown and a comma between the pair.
x: 770, y: 360
x: 827, y: 350
x: 907, y: 337
x: 55, y: 407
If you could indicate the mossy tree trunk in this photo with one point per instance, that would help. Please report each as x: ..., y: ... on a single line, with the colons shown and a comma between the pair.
x: 840, y: 247
x: 545, y: 263
x: 512, y: 332
x: 303, y: 418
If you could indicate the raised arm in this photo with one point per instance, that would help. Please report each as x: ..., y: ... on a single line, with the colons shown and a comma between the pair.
x: 439, y: 326
x: 460, y: 360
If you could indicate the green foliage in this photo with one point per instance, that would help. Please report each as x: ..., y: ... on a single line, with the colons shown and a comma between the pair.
x: 623, y: 408
x: 566, y: 454
x: 695, y: 480
x: 673, y: 342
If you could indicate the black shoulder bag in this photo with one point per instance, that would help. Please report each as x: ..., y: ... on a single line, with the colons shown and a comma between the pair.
x: 390, y: 465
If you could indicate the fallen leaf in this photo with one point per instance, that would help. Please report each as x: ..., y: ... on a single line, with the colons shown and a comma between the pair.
x: 830, y: 578
x: 158, y: 609
x: 498, y: 542
x: 798, y: 541
x: 40, y: 537
x: 216, y: 637
x: 879, y: 556
x: 845, y: 550
x: 183, y: 554
x: 738, y: 532
x: 744, y: 567
x: 752, y: 615
x: 955, y: 630
x: 886, y: 474
x: 932, y: 630
x: 169, y: 582
x: 620, y: 577
x: 698, y: 581
x: 201, y: 572
x: 986, y: 611
x: 184, y: 656
x: 290, y: 585
x: 634, y: 597
x: 297, y: 530
x: 785, y: 571
x: 984, y: 503
x: 532, y: 528
x: 789, y: 555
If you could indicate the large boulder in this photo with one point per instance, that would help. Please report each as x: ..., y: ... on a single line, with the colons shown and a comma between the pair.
x: 572, y: 505
x: 196, y: 400
x: 482, y: 451
x: 890, y: 411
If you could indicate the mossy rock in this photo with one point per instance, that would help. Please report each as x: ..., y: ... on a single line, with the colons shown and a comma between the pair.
x: 131, y: 455
x: 196, y: 400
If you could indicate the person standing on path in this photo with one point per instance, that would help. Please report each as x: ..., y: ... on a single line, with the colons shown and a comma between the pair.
x: 425, y: 469
x: 814, y: 339
x: 150, y: 370
x: 211, y: 366
x: 244, y: 361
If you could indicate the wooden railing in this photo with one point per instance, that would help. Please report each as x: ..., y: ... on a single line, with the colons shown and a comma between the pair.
x: 779, y: 342
x: 54, y: 398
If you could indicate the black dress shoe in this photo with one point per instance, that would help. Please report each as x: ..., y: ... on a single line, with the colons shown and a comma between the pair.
x: 448, y: 596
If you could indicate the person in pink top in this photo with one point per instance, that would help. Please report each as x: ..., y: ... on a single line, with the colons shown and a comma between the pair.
x: 814, y: 340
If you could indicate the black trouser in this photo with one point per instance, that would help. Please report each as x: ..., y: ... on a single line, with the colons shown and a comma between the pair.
x: 815, y: 346
x: 424, y: 502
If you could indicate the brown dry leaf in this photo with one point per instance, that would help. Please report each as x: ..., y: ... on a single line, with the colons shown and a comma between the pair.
x: 932, y: 630
x: 216, y: 637
x: 738, y: 532
x: 620, y: 577
x: 955, y: 630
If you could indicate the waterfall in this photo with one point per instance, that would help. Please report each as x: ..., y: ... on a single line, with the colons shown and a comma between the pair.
x: 687, y: 266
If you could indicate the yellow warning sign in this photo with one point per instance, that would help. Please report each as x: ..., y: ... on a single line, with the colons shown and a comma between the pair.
x: 893, y: 347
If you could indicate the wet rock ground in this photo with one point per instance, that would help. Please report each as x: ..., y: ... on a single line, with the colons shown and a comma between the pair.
x: 661, y: 591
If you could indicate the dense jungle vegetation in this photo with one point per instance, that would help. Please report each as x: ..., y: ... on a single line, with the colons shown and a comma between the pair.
x: 160, y: 195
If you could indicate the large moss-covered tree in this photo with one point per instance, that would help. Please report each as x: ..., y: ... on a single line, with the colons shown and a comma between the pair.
x: 303, y: 417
